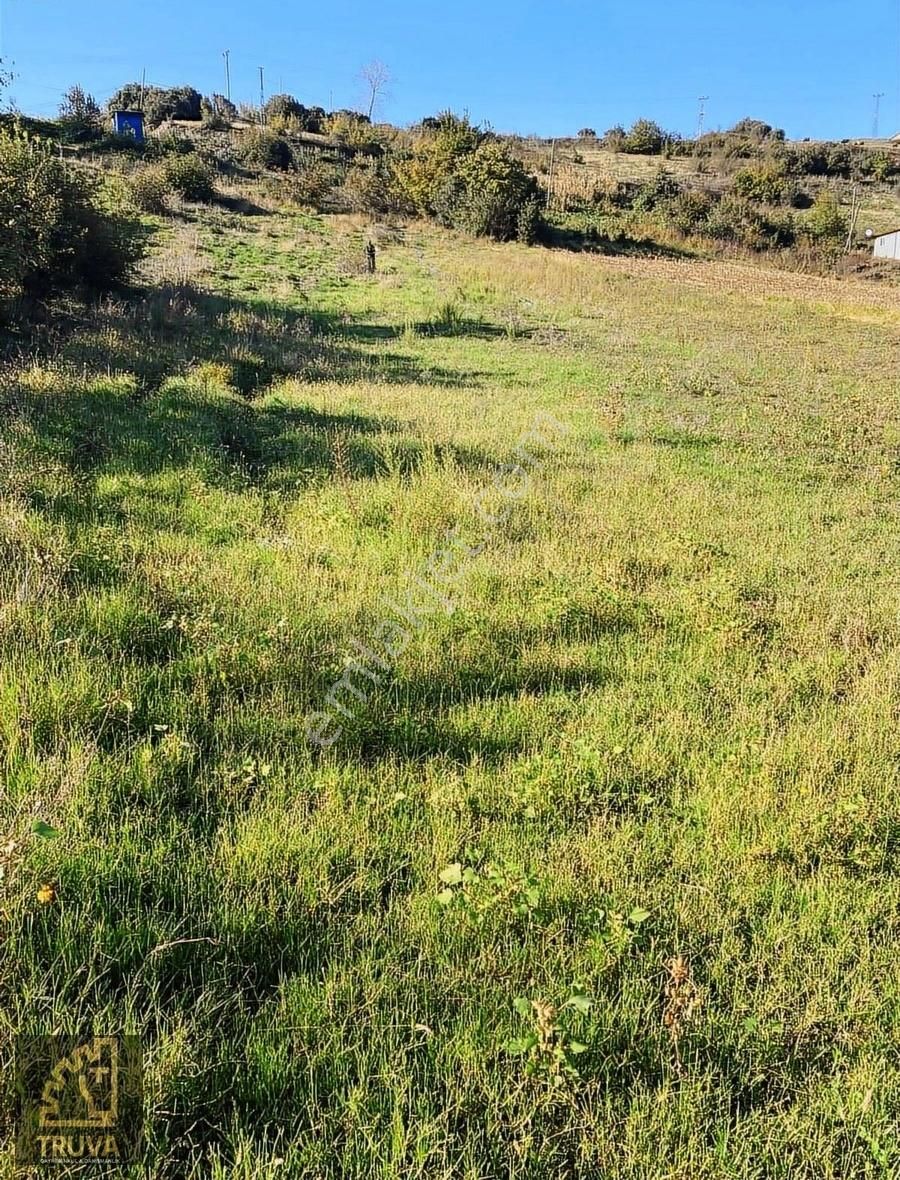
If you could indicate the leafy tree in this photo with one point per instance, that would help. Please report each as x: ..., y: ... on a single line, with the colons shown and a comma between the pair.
x: 466, y: 178
x: 285, y: 110
x: 351, y: 128
x: 223, y: 107
x: 421, y: 178
x: 495, y: 189
x: 756, y: 129
x: 80, y: 118
x: 56, y: 230
x: 614, y: 138
x: 587, y: 133
x: 645, y: 138
x: 158, y: 105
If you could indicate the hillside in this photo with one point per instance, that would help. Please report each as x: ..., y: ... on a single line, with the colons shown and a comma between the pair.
x: 598, y: 875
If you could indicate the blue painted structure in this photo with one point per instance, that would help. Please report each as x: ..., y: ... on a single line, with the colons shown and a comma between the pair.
x: 129, y: 123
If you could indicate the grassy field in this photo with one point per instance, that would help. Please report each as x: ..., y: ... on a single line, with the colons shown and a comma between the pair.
x: 600, y: 878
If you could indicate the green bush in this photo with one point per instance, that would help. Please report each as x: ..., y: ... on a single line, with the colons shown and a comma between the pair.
x: 825, y: 224
x: 766, y: 183
x: 169, y: 144
x: 494, y: 189
x: 756, y: 129
x: 189, y: 177
x: 422, y: 180
x: 366, y: 189
x: 220, y: 106
x: 266, y: 149
x: 661, y: 188
x: 285, y: 110
x: 57, y: 228
x: 529, y: 221
x: 149, y: 187
x: 311, y: 184
x: 689, y: 212
x: 468, y: 180
x: 614, y: 138
x: 737, y: 220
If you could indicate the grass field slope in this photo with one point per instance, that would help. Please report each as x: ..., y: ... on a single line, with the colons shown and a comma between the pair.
x: 600, y: 875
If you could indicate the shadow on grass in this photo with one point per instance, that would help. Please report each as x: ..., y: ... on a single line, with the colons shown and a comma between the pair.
x: 589, y: 241
x: 167, y: 331
x: 463, y: 329
x: 180, y: 379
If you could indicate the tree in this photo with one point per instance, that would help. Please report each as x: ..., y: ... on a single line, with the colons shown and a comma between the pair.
x: 826, y: 223
x: 56, y: 230
x: 178, y: 102
x: 285, y: 109
x: 423, y: 177
x: 587, y: 133
x: 465, y: 178
x: 495, y: 188
x: 645, y: 138
x: 614, y: 138
x: 376, y: 76
x: 223, y: 107
x: 80, y: 118
x: 756, y: 129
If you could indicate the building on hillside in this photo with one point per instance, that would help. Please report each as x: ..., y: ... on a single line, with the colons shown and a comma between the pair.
x: 887, y: 245
x: 129, y: 123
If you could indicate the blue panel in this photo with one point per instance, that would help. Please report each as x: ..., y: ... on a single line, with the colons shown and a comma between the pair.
x: 129, y: 123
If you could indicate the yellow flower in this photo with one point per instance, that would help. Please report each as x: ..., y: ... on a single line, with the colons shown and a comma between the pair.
x: 46, y: 894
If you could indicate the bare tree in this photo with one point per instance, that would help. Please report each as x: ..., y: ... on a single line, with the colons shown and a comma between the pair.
x: 376, y: 76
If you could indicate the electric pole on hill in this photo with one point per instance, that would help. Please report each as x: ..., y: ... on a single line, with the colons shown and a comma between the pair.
x: 226, y: 55
x: 877, y: 119
x: 701, y: 116
x: 262, y: 96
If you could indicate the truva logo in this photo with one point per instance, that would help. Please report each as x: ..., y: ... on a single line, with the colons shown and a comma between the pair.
x: 83, y: 1090
x: 80, y: 1099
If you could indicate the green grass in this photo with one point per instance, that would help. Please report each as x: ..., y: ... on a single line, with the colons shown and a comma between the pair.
x: 661, y: 723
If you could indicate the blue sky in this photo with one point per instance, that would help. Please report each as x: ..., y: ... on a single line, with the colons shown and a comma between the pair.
x: 811, y: 66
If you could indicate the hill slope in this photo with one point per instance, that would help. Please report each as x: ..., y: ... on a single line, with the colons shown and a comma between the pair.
x: 642, y: 778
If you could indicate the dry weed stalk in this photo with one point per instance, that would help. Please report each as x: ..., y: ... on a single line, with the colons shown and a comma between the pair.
x: 682, y: 999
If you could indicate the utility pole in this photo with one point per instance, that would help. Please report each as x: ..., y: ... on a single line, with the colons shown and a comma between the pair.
x: 262, y: 93
x: 226, y: 55
x: 878, y: 98
x: 143, y: 87
x: 701, y: 117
